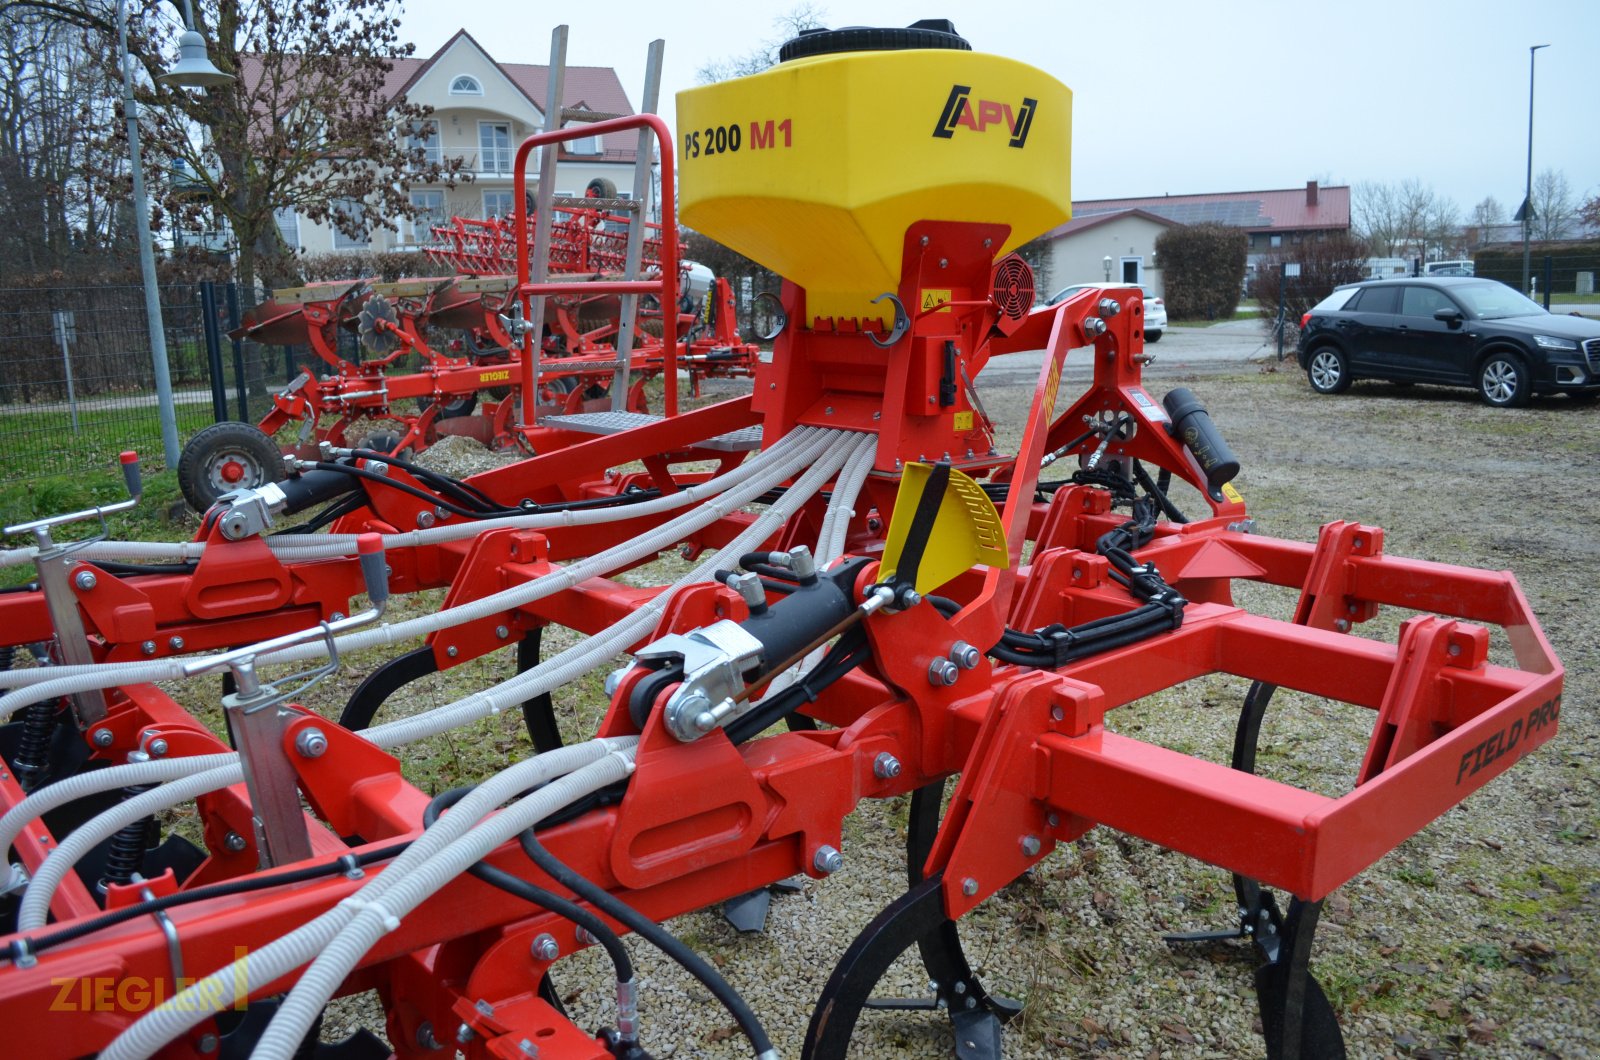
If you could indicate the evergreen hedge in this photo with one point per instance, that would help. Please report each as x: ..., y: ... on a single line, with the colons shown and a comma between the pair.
x: 1202, y: 270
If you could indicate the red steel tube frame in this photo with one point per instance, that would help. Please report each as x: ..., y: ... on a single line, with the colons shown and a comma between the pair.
x: 666, y: 286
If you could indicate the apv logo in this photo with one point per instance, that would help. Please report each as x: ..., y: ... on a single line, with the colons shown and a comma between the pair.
x: 961, y: 109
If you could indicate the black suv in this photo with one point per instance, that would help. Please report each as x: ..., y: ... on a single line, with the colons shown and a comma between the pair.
x: 1457, y: 331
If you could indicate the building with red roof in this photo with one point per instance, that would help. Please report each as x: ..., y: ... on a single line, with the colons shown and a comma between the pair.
x: 482, y: 109
x: 1115, y: 238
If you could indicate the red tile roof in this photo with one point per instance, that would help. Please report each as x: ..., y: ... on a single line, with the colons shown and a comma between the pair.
x: 596, y: 87
x: 1256, y: 211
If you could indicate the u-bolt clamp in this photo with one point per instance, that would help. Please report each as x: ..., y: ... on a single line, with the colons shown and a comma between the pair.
x: 902, y: 323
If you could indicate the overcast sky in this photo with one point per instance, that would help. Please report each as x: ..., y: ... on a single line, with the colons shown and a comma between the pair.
x: 1180, y: 97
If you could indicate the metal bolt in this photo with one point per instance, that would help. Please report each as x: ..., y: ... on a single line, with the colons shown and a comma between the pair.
x: 972, y: 1002
x: 1057, y: 714
x: 464, y: 1034
x: 964, y: 655
x: 1342, y: 625
x: 337, y: 616
x: 969, y: 886
x: 425, y: 1038
x: 528, y: 1049
x: 944, y: 263
x: 886, y: 766
x: 1053, y: 820
x: 103, y: 738
x: 441, y: 512
x: 156, y: 748
x: 545, y: 947
x: 425, y: 520
x: 827, y: 860
x: 206, y: 1045
x: 148, y: 647
x: 1030, y: 845
x: 1454, y: 649
x: 1350, y: 608
x: 311, y: 743
x: 234, y: 842
x: 502, y: 632
x: 960, y: 987
x: 452, y: 651
x: 614, y: 680
x: 828, y: 411
x: 85, y: 580
x: 175, y: 643
x: 942, y: 672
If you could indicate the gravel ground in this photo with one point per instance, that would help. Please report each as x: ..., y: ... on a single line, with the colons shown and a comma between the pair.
x: 1477, y: 937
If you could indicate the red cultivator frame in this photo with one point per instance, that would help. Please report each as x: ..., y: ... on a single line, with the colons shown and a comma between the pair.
x: 891, y: 625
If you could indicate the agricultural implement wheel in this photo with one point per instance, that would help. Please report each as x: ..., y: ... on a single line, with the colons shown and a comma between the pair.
x: 226, y: 457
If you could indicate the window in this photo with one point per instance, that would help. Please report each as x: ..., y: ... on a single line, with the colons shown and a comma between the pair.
x: 1423, y: 301
x: 347, y: 213
x: 466, y: 85
x: 1276, y: 241
x: 288, y: 226
x: 583, y: 145
x: 425, y: 135
x: 1376, y: 300
x: 431, y: 207
x: 494, y: 147
x: 499, y: 203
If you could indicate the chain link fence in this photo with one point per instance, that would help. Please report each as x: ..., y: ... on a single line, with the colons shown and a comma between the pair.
x: 78, y: 384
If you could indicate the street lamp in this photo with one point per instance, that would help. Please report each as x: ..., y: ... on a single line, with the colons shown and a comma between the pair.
x: 1527, y: 201
x: 193, y: 69
x: 1106, y: 261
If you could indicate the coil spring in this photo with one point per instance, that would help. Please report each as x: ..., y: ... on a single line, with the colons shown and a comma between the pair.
x: 126, y: 855
x: 32, y: 759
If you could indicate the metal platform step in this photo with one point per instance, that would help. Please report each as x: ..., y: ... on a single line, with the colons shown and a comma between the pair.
x: 744, y: 440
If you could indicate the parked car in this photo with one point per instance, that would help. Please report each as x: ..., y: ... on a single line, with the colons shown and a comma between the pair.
x: 1155, y: 309
x: 1453, y: 330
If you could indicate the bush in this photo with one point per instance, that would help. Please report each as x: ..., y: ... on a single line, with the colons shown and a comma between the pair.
x: 1202, y: 269
x: 387, y: 265
x: 1324, y: 265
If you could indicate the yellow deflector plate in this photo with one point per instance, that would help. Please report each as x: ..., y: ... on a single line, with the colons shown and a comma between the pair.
x: 966, y: 532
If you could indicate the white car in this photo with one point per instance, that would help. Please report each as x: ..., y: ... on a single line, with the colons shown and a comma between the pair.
x: 1155, y: 310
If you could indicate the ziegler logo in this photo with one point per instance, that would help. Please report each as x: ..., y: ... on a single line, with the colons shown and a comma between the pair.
x: 960, y: 109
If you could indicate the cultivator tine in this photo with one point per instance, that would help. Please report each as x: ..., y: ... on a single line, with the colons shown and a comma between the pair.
x: 1297, y: 1020
x: 748, y: 912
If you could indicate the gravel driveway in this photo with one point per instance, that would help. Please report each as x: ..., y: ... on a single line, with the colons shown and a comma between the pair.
x: 1477, y: 937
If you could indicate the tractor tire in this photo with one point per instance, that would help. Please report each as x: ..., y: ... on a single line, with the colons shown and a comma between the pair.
x: 600, y: 188
x: 226, y: 457
x: 1504, y: 381
x: 456, y: 405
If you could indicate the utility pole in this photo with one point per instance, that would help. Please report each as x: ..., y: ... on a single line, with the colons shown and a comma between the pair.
x: 1527, y: 202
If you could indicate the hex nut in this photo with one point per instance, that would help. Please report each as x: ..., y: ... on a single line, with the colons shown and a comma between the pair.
x: 827, y: 860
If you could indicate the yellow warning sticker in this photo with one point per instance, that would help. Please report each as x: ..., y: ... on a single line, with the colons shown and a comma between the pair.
x: 963, y: 421
x: 1232, y: 494
x: 933, y: 296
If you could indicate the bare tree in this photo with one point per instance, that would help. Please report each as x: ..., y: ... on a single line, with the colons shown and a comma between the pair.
x: 55, y: 113
x: 308, y: 124
x: 1589, y: 213
x: 1554, y: 206
x: 1377, y: 216
x: 803, y: 16
x: 1488, y: 212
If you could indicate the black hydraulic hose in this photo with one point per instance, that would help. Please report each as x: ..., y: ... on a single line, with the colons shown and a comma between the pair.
x: 406, y: 487
x: 653, y: 933
x: 535, y: 894
x: 1159, y: 492
x: 245, y: 884
x: 532, y: 509
x: 461, y: 491
x: 126, y: 569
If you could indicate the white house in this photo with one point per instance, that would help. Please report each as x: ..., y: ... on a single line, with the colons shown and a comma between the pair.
x: 482, y: 109
x: 1119, y: 246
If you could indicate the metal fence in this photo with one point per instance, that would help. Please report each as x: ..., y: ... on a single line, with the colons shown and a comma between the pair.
x: 77, y: 384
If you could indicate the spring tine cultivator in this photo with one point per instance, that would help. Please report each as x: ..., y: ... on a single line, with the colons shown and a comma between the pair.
x: 880, y: 602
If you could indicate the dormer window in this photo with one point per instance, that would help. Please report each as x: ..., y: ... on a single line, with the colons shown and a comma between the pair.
x: 466, y: 85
